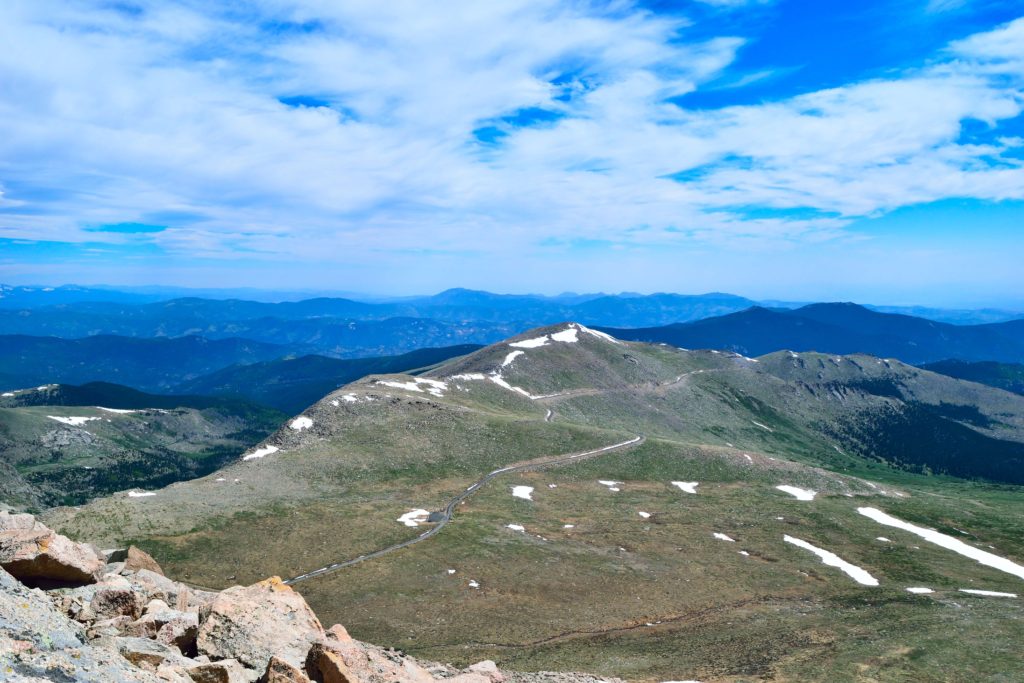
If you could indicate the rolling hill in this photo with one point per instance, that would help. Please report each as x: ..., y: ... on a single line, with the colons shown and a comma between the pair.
x: 565, y: 500
x: 292, y: 384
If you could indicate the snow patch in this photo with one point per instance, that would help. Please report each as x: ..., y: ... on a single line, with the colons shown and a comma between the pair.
x: 688, y: 486
x: 612, y: 485
x: 524, y: 492
x: 515, y: 527
x: 260, y: 452
x: 434, y: 387
x: 600, y: 335
x: 993, y: 594
x: 511, y: 357
x: 798, y: 493
x: 300, y: 423
x: 568, y: 335
x: 119, y: 411
x: 474, y: 584
x: 75, y: 421
x: 7, y: 394
x: 883, y: 539
x: 469, y: 376
x: 349, y: 398
x: 948, y: 542
x: 762, y: 426
x: 919, y: 590
x: 414, y: 517
x: 534, y: 343
x: 568, y: 526
x: 140, y: 494
x: 723, y: 537
x: 645, y: 515
x: 832, y: 560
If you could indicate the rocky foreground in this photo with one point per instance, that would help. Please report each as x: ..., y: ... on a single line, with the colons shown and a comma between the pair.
x: 72, y: 613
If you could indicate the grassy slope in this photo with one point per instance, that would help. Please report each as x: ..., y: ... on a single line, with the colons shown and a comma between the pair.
x: 580, y: 598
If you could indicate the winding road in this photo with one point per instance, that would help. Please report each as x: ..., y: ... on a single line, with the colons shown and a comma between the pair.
x: 449, y: 509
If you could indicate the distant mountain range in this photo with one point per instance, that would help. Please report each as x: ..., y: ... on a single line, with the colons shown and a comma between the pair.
x: 148, y: 364
x: 841, y: 329
x: 239, y: 368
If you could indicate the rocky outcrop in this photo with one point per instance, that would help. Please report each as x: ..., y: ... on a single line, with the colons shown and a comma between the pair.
x: 255, y: 623
x: 130, y: 623
x: 39, y: 556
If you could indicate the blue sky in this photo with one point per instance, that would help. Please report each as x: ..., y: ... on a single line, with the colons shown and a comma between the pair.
x: 869, y: 151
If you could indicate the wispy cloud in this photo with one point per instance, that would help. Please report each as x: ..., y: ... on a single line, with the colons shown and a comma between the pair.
x: 312, y: 129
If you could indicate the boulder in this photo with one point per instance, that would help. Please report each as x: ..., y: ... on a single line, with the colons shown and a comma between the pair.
x: 36, y: 555
x: 338, y: 634
x: 487, y: 668
x: 117, y: 626
x: 224, y: 671
x: 181, y: 632
x: 142, y: 652
x: 136, y: 559
x: 324, y: 665
x: 280, y: 671
x: 254, y: 623
x: 116, y: 602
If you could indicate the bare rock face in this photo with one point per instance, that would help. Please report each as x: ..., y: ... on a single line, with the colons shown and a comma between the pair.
x: 254, y: 623
x: 36, y: 555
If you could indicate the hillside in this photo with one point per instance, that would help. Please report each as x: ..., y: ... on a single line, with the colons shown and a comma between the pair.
x: 565, y: 500
x: 840, y: 329
x: 58, y: 447
x: 1008, y: 376
x: 292, y: 384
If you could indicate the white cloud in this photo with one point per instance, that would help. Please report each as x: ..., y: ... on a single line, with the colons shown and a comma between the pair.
x: 110, y: 117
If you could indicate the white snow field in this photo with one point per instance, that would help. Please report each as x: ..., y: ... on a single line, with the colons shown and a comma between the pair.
x: 948, y: 542
x: 798, y: 493
x: 261, y: 452
x: 832, y: 560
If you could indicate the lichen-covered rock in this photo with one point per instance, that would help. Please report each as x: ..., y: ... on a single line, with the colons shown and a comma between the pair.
x: 254, y: 623
x: 28, y: 615
x: 37, y: 555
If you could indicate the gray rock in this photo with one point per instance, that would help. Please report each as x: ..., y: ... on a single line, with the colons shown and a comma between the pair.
x: 28, y: 615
